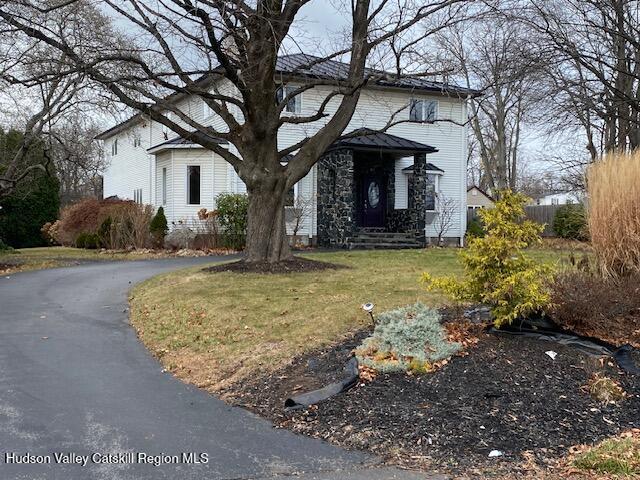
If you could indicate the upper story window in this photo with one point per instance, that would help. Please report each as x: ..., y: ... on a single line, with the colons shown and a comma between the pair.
x: 114, y: 147
x: 294, y: 105
x: 137, y: 140
x: 423, y: 110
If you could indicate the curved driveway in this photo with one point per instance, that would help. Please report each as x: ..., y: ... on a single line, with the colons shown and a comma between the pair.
x: 75, y: 379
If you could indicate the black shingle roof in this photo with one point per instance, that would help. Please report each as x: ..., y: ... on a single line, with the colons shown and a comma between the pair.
x: 179, y: 141
x: 430, y: 168
x: 365, y: 138
x: 304, y: 65
x: 310, y: 66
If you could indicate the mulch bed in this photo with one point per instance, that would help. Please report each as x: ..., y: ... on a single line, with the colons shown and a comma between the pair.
x: 288, y: 266
x: 506, y: 395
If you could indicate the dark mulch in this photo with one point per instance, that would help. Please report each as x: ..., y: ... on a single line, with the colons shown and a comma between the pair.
x: 288, y: 266
x: 505, y: 395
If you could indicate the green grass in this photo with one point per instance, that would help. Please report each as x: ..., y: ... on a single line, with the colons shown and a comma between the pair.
x: 23, y: 259
x: 209, y: 328
x: 617, y: 456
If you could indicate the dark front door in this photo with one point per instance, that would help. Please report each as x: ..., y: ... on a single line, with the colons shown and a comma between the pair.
x: 373, y: 198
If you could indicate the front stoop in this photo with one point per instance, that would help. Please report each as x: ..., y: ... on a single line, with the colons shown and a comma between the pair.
x: 377, y: 238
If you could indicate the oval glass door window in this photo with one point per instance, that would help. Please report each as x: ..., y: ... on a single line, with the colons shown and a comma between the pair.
x: 374, y: 194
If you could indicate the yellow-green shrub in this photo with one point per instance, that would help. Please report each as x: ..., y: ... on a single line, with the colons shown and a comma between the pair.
x: 496, y: 270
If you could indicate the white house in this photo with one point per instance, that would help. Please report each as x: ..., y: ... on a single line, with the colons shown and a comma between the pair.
x: 558, y: 198
x: 373, y: 187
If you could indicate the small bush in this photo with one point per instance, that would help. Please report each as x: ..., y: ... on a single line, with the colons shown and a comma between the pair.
x: 77, y: 218
x: 406, y: 339
x: 604, y: 389
x: 159, y: 228
x: 129, y: 225
x: 4, y: 247
x: 475, y: 229
x: 497, y: 272
x: 570, y: 221
x: 584, y: 302
x: 88, y: 240
x: 232, y: 216
x: 614, y: 213
x: 104, y: 232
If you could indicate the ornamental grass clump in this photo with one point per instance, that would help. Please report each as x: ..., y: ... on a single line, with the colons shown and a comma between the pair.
x: 613, y: 188
x: 406, y: 339
x: 497, y: 273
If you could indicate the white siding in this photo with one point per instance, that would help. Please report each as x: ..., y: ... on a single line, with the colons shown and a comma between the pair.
x: 402, y: 183
x: 213, y: 181
x: 130, y: 169
x: 133, y: 168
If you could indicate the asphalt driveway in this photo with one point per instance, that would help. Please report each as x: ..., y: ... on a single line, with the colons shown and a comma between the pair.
x: 74, y: 379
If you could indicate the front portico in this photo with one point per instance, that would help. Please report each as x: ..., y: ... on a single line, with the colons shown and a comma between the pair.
x: 357, y: 188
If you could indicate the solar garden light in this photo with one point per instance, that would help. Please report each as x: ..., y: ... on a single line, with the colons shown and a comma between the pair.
x: 368, y: 308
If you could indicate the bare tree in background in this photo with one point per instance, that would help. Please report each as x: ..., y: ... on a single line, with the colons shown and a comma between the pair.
x: 594, y: 79
x: 301, y: 212
x: 43, y: 97
x: 179, y: 42
x: 78, y: 159
x: 494, y: 55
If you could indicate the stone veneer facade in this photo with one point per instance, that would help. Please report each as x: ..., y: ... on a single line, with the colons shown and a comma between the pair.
x: 338, y: 197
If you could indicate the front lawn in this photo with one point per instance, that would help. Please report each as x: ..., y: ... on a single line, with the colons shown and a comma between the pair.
x: 214, y: 328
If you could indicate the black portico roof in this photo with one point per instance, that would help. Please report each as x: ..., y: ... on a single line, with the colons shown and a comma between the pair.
x: 367, y: 139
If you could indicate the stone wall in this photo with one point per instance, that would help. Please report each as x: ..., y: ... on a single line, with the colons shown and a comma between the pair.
x: 336, y: 198
x: 412, y: 219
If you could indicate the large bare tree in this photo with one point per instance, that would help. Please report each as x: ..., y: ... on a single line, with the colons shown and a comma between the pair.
x: 594, y: 75
x: 176, y: 45
x: 494, y: 55
x: 45, y: 98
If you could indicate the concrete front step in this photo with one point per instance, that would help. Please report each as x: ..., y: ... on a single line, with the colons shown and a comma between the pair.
x: 381, y: 245
x: 384, y: 235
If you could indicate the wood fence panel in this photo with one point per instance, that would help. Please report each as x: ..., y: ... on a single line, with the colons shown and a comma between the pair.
x: 543, y: 214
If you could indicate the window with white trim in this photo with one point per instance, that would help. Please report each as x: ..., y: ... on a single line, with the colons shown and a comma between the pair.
x: 294, y: 105
x: 164, y: 185
x: 114, y: 147
x: 193, y: 184
x: 432, y: 192
x: 423, y: 110
x: 137, y: 195
x: 291, y: 196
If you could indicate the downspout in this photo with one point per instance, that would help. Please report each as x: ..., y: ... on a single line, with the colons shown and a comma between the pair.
x: 463, y: 183
x: 173, y: 193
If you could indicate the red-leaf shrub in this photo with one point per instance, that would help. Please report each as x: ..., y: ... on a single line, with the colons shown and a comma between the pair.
x: 588, y: 304
x: 127, y: 225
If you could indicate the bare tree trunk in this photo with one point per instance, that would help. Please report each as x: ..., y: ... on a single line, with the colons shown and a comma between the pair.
x: 266, y: 232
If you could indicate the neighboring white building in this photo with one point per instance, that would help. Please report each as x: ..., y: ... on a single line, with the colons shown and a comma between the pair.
x: 557, y: 198
x: 147, y: 163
